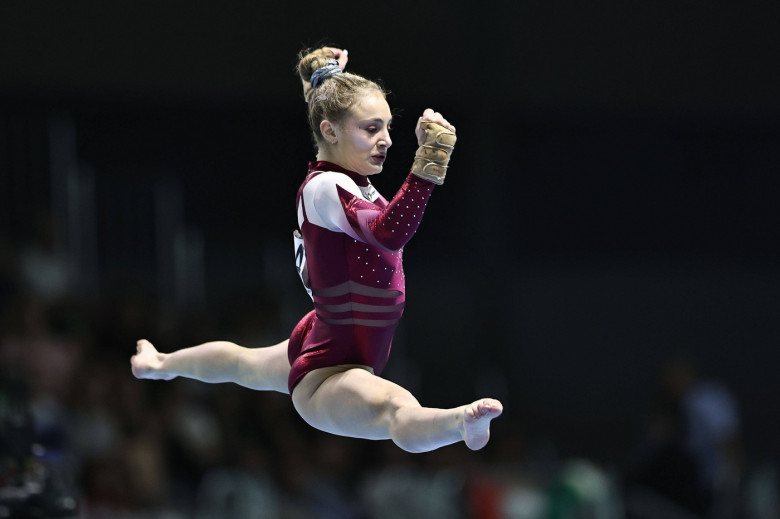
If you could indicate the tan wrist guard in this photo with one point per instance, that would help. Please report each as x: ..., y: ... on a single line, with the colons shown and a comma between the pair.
x: 431, y: 159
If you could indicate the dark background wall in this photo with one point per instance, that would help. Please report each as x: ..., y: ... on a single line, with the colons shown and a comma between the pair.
x: 611, y: 203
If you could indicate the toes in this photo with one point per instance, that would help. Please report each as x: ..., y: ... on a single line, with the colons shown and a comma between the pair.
x: 487, y: 407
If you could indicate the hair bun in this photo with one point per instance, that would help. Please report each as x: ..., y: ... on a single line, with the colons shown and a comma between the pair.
x: 330, y: 69
x: 311, y: 61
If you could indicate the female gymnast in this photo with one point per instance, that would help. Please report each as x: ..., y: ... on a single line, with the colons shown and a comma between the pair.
x: 349, y: 255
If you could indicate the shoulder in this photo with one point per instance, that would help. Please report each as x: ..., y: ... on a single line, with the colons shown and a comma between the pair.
x: 322, y: 197
x: 325, y: 183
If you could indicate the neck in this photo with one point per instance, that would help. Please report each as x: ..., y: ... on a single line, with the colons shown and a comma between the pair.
x: 325, y: 154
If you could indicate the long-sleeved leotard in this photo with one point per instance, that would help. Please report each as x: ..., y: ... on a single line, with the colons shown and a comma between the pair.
x: 353, y: 241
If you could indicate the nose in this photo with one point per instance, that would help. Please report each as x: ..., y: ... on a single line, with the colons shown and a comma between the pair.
x: 385, y: 141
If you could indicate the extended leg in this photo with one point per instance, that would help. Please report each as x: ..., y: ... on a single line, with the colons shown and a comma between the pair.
x: 354, y: 402
x: 215, y: 362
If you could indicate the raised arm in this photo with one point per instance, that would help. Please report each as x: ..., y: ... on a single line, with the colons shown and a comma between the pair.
x: 333, y: 200
x: 395, y: 224
x: 216, y: 362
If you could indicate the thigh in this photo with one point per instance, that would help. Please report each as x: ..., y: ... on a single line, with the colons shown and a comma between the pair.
x: 265, y: 368
x: 350, y: 401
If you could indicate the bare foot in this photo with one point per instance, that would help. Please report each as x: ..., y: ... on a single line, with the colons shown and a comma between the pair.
x: 476, y: 423
x: 146, y: 363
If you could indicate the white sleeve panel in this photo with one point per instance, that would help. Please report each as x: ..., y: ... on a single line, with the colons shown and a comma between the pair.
x: 322, y: 203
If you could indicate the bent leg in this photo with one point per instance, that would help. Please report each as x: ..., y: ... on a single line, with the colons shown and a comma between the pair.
x: 351, y: 401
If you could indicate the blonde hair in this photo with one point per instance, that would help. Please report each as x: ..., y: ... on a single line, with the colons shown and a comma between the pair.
x: 335, y: 96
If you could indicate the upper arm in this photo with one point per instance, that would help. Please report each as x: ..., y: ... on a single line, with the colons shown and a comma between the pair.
x: 324, y: 206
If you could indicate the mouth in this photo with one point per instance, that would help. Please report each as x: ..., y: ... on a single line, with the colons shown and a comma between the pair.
x: 378, y: 158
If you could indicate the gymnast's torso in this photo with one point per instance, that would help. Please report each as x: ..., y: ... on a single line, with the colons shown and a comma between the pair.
x: 351, y: 264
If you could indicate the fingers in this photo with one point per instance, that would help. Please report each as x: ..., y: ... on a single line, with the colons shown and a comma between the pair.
x: 430, y: 115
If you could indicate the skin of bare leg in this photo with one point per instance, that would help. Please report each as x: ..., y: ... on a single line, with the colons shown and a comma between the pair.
x: 351, y: 401
x: 216, y: 362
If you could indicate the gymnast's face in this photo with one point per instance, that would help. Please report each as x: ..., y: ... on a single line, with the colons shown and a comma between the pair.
x: 360, y: 141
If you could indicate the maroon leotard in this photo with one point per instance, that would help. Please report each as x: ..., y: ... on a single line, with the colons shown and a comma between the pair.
x: 353, y: 240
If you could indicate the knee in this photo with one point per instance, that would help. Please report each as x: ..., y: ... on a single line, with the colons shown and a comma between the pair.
x: 397, y: 402
x: 399, y: 411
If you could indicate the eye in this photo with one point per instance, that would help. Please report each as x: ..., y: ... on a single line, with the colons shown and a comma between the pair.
x: 371, y: 129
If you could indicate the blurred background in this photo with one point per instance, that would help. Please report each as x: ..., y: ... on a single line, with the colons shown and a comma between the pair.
x: 603, y: 257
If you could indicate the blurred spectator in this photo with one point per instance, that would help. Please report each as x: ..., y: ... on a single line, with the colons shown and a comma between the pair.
x: 691, y: 452
x: 411, y: 486
x: 40, y: 355
x: 42, y: 267
x: 582, y: 490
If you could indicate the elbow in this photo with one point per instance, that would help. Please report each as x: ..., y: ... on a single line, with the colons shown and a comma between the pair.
x: 392, y: 243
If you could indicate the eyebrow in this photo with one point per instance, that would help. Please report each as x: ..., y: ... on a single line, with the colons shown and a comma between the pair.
x: 378, y: 120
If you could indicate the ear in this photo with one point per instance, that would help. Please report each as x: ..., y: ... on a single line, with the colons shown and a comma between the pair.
x: 328, y: 131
